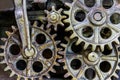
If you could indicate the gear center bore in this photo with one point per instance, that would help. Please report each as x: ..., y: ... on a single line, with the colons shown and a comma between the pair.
x: 92, y: 58
x: 54, y: 17
x: 97, y: 17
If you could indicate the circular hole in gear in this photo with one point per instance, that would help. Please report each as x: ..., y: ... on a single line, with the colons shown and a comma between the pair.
x: 47, y: 53
x: 90, y: 74
x: 105, y: 33
x: 76, y: 48
x: 40, y: 38
x: 89, y: 3
x: 14, y: 49
x: 21, y: 65
x: 107, y: 3
x: 87, y: 32
x: 75, y: 64
x: 107, y: 51
x: 80, y: 15
x: 105, y: 66
x: 37, y: 66
x: 115, y: 18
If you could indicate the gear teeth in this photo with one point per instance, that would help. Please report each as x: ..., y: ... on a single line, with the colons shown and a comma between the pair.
x: 57, y: 64
x: 63, y: 45
x: 58, y: 56
x: 68, y: 28
x: 102, y: 47
x: 61, y: 53
x: 115, y: 75
x: 66, y: 75
x: 14, y: 28
x: 3, y: 39
x: 66, y: 20
x: 93, y: 47
x: 64, y: 17
x: 7, y: 68
x: 2, y: 46
x: 35, y: 24
x: 65, y: 67
x: 26, y: 79
x: 78, y: 41
x: 2, y: 54
x: 12, y: 74
x: 110, y: 45
x: 61, y: 60
x: 48, y: 30
x: 68, y: 4
x: 117, y: 41
x: 8, y: 33
x: 3, y: 62
x: 72, y: 36
x: 86, y: 46
x: 48, y: 75
x: 53, y: 36
x: 18, y: 78
x: 53, y: 70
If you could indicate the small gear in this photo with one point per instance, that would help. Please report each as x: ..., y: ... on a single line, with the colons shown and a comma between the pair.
x: 88, y: 65
x: 40, y: 63
x: 94, y: 23
x: 54, y: 17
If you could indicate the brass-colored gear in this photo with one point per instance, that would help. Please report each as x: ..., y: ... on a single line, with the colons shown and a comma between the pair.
x: 88, y: 65
x: 55, y: 17
x: 95, y: 24
x: 40, y: 63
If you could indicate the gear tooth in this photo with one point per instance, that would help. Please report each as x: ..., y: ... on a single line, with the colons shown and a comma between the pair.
x: 61, y: 24
x: 65, y: 67
x: 48, y: 31
x: 53, y: 8
x: 61, y: 60
x: 67, y: 39
x: 14, y: 28
x: 18, y: 78
x: 61, y: 52
x: 48, y: 75
x: 74, y: 78
x: 117, y: 41
x: 66, y: 75
x: 110, y: 45
x: 8, y: 33
x: 7, y: 68
x: 57, y: 64
x: 2, y: 46
x: 58, y: 56
x: 2, y: 54
x: 26, y: 79
x: 63, y: 45
x: 66, y: 20
x: 72, y: 36
x: 86, y: 46
x: 4, y: 39
x: 53, y: 70
x: 78, y: 41
x: 63, y: 17
x: 3, y: 62
x: 53, y: 36
x: 115, y: 75
x: 102, y: 47
x: 12, y: 74
x: 68, y: 28
x: 93, y: 47
x: 46, y: 11
x: 35, y: 24
x: 68, y: 4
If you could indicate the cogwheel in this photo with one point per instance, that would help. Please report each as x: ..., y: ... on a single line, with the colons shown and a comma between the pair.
x: 88, y: 65
x: 94, y: 22
x: 40, y: 64
x: 54, y: 17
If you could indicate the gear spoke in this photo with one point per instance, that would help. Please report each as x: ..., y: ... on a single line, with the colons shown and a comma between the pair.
x: 96, y: 35
x: 101, y: 77
x: 111, y: 58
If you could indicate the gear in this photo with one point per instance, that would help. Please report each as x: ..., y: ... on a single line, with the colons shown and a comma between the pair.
x: 94, y: 23
x: 88, y: 65
x: 40, y: 60
x: 54, y: 17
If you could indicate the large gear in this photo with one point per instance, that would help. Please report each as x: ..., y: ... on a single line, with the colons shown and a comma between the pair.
x: 55, y: 17
x: 88, y: 65
x: 94, y: 22
x: 40, y: 63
